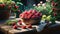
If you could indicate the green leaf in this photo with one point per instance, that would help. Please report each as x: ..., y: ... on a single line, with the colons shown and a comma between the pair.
x: 19, y: 3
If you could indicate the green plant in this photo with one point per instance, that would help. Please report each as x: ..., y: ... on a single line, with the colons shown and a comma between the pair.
x: 6, y: 6
x: 47, y: 9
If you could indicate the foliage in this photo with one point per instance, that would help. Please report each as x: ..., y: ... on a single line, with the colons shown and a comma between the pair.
x: 47, y: 10
x: 7, y: 6
x: 10, y: 22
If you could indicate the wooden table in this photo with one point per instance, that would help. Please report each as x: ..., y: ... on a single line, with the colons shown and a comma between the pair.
x: 47, y: 30
x: 10, y: 30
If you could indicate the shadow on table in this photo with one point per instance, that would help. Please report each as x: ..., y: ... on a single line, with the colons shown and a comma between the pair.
x: 1, y: 32
x: 51, y: 29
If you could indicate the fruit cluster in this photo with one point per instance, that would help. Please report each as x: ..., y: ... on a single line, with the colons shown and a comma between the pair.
x: 4, y: 6
x: 21, y: 25
x: 31, y: 14
x: 5, y: 9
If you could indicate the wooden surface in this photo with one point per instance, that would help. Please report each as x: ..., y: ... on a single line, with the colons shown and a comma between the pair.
x: 47, y: 30
x: 10, y: 30
x: 51, y: 29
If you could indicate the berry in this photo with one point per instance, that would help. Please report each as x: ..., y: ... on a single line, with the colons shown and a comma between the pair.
x: 15, y: 26
x: 33, y: 16
x: 40, y: 14
x: 9, y: 7
x: 37, y: 14
x: 56, y: 4
x: 2, y: 5
x: 23, y: 27
x: 55, y: 14
x: 16, y: 7
x: 25, y: 12
x: 18, y: 10
x: 13, y: 23
x: 34, y: 11
x: 22, y: 15
x: 20, y: 22
x: 30, y: 11
x: 54, y: 9
x: 29, y: 16
x: 26, y: 15
x: 29, y: 26
x: 53, y: 3
x: 19, y: 26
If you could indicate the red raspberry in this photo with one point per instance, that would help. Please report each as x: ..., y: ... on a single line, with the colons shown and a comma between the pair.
x: 34, y: 11
x: 2, y: 5
x: 39, y: 14
x: 18, y: 10
x: 14, y: 23
x: 33, y: 16
x: 29, y: 26
x: 20, y: 22
x: 15, y: 26
x: 30, y: 11
x: 23, y: 27
x: 55, y: 14
x: 54, y: 9
x: 26, y: 16
x: 16, y: 7
x: 29, y: 16
x: 9, y: 7
x: 53, y: 3
x: 22, y: 15
x: 25, y: 12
